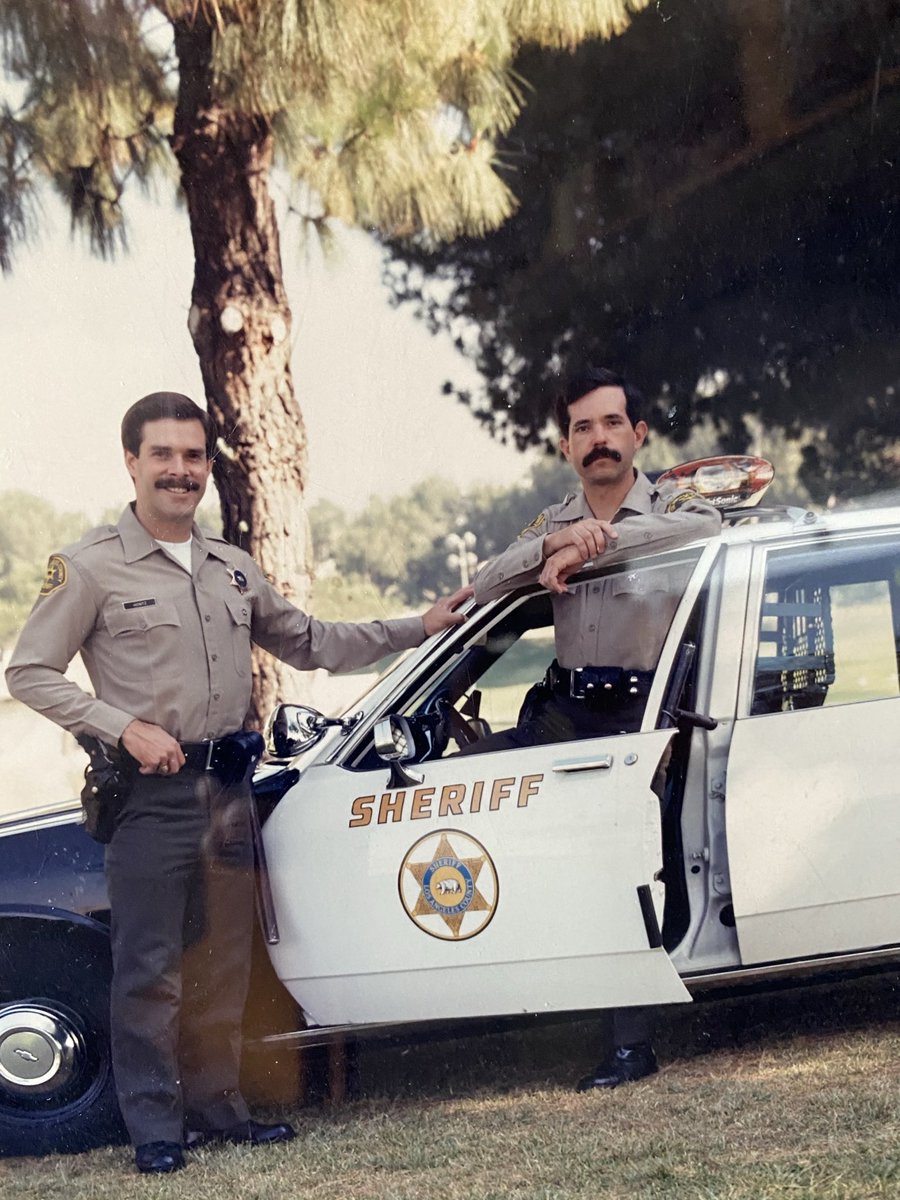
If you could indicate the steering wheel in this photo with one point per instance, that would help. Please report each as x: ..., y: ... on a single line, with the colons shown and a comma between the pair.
x: 460, y: 728
x: 445, y: 722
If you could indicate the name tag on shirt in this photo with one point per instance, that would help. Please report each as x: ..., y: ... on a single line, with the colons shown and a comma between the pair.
x: 137, y: 603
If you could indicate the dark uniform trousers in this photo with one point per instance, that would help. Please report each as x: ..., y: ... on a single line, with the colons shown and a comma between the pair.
x: 180, y: 876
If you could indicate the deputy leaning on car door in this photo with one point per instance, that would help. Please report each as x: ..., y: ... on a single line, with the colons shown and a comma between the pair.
x: 608, y: 634
x: 164, y: 616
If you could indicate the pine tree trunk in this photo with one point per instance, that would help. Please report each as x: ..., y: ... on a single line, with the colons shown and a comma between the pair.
x: 240, y: 322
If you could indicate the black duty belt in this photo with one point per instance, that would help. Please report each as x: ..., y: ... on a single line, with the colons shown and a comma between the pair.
x: 229, y: 758
x: 598, y: 683
x: 205, y: 756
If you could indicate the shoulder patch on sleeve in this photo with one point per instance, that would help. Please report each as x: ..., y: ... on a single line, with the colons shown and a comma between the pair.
x: 535, y: 524
x: 57, y: 575
x: 680, y: 499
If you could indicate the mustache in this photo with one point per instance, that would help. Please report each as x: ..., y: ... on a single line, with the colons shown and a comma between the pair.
x: 601, y: 452
x: 190, y: 485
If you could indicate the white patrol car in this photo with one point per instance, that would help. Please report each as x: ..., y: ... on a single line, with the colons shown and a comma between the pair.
x: 403, y: 883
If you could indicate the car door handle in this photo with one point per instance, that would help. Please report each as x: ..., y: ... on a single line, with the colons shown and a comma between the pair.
x: 597, y: 762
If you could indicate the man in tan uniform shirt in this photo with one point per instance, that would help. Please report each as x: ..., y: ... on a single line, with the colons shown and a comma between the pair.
x: 164, y: 617
x: 609, y: 632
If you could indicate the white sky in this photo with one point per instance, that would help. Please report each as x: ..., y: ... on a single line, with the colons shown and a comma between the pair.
x: 81, y: 339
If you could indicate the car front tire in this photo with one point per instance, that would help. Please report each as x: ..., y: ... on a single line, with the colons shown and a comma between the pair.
x: 56, y: 1082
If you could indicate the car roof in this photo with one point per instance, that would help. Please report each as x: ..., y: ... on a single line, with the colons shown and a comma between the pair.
x: 770, y: 524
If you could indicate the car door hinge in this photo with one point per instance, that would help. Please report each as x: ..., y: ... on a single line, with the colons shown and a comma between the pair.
x: 717, y: 789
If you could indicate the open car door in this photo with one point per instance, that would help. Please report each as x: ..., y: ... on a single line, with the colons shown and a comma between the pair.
x: 519, y: 880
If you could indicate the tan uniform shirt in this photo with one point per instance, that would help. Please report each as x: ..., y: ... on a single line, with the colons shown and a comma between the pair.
x: 169, y: 647
x: 620, y: 621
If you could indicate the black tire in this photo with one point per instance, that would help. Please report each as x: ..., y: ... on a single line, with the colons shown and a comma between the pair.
x: 56, y: 1082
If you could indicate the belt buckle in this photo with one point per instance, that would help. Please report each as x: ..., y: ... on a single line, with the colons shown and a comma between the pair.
x: 210, y: 747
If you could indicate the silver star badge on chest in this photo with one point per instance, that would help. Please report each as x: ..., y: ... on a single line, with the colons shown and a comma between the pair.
x: 237, y: 579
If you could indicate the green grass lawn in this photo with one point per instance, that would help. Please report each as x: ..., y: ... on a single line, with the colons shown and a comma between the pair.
x: 793, y: 1094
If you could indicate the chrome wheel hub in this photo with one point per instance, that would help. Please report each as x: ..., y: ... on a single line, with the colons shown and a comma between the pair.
x: 40, y: 1050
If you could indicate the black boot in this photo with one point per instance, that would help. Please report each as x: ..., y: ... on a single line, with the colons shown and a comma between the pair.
x: 625, y: 1065
x: 253, y: 1133
x: 158, y: 1158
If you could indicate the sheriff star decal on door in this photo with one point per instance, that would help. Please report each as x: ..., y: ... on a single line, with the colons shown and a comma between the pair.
x: 448, y: 885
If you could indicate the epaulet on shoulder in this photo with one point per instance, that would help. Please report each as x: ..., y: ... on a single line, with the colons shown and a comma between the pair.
x: 234, y: 553
x: 558, y: 511
x: 103, y: 533
x: 676, y: 496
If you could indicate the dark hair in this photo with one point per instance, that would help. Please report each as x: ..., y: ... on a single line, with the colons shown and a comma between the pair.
x: 588, y: 379
x: 159, y: 406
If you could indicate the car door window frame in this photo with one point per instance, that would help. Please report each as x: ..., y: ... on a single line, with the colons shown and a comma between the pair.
x: 425, y: 675
x: 873, y: 540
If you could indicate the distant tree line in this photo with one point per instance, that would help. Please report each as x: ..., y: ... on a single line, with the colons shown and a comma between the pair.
x: 399, y: 544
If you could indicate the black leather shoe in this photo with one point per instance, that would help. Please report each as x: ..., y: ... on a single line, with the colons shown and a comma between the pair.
x: 255, y: 1133
x: 158, y: 1158
x: 252, y: 1133
x: 627, y: 1064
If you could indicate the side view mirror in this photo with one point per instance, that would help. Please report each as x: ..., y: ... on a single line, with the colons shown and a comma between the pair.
x: 395, y: 743
x: 292, y: 728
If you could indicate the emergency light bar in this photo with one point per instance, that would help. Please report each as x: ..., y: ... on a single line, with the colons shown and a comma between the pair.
x: 727, y: 480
